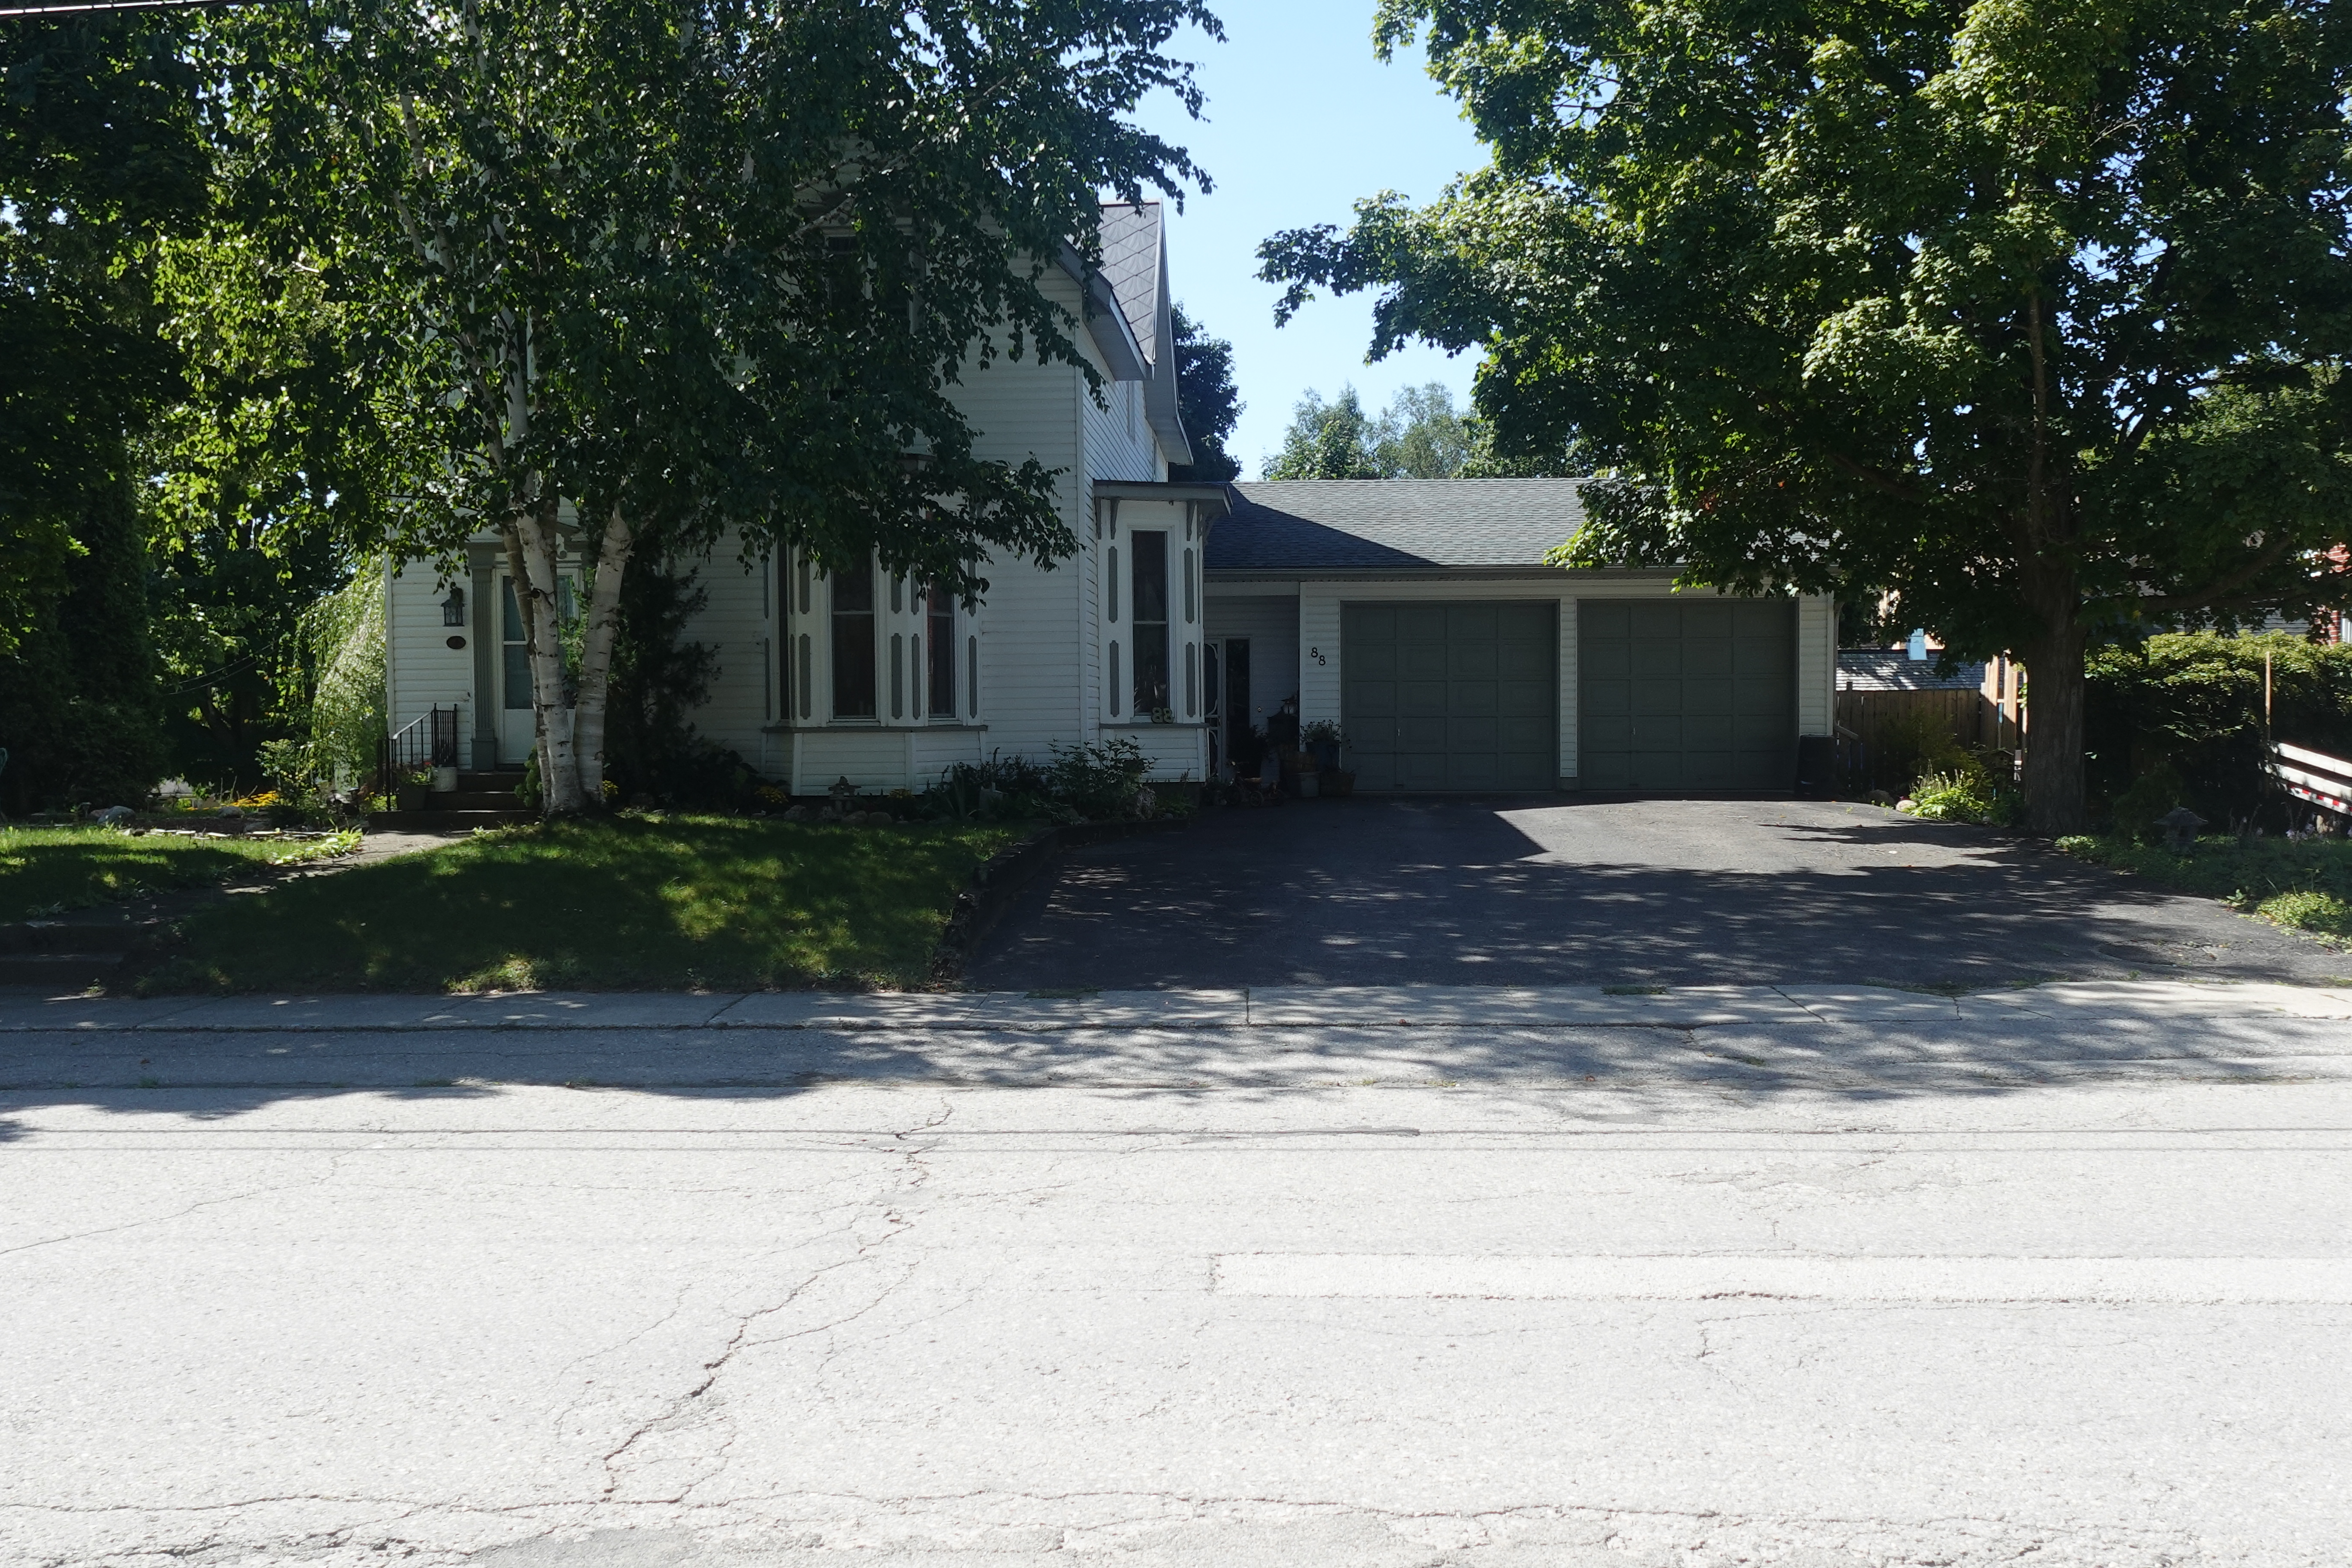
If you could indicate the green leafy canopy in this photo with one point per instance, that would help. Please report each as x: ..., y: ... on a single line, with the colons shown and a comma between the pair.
x: 2034, y: 314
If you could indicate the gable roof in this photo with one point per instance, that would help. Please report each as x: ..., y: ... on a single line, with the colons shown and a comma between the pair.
x: 1131, y: 255
x: 1285, y: 525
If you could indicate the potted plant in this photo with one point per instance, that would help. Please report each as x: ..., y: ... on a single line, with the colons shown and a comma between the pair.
x: 413, y: 789
x: 1323, y: 741
x: 1301, y: 775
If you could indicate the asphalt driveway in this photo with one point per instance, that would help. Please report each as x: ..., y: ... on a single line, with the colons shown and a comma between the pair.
x: 1608, y: 892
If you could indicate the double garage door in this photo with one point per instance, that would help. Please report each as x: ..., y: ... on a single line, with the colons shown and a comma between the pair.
x: 1671, y: 696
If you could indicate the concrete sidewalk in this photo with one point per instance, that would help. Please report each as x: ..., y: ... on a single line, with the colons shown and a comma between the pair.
x: 1353, y: 1007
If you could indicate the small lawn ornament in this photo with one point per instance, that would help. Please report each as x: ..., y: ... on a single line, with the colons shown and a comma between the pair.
x: 2180, y: 826
x: 112, y: 815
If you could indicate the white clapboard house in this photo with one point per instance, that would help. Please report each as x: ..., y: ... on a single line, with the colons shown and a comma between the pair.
x: 1419, y: 615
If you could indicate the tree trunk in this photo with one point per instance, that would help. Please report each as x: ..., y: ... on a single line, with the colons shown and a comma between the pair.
x: 596, y: 640
x: 559, y: 770
x: 2054, y: 743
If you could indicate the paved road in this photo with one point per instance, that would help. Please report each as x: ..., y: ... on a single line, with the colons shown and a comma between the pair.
x: 1379, y: 1279
x: 1678, y: 892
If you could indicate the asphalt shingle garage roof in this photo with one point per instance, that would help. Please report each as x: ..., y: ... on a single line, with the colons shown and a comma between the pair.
x: 1284, y: 525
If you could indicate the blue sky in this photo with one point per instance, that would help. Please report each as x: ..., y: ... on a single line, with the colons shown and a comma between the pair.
x: 1301, y: 121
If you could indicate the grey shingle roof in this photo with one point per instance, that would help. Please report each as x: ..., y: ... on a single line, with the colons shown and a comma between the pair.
x: 1894, y: 669
x: 1130, y: 262
x: 1370, y: 524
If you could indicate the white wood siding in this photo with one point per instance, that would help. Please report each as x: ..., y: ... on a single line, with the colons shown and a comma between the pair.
x: 1816, y: 666
x: 1174, y: 752
x: 736, y: 623
x: 1271, y: 624
x: 422, y: 671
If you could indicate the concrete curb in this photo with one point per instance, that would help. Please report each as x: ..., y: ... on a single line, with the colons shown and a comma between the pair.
x: 1376, y: 1008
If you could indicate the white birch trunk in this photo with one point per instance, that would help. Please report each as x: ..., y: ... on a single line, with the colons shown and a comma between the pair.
x: 559, y: 767
x: 594, y: 702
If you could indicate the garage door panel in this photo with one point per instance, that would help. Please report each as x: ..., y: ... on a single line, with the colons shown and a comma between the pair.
x: 1606, y: 770
x: 1483, y: 736
x: 1707, y: 660
x: 1656, y: 622
x: 1653, y: 733
x: 1657, y: 658
x: 1605, y: 620
x: 1473, y: 697
x: 1602, y: 734
x: 1419, y: 696
x: 1709, y: 697
x: 1421, y: 772
x: 1709, y: 770
x: 1652, y: 696
x: 1704, y: 618
x: 1530, y: 698
x: 1473, y: 623
x: 1464, y: 696
x: 1686, y: 695
x: 1421, y: 661
x: 1421, y: 732
x: 1465, y: 661
x: 1423, y: 623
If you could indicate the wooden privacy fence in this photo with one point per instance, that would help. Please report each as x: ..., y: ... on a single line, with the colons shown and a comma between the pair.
x: 1878, y: 731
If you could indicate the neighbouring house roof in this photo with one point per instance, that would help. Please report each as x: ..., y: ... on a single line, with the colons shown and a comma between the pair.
x: 1305, y: 525
x: 1894, y: 669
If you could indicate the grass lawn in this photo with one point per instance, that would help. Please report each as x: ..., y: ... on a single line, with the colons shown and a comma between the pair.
x: 48, y: 870
x: 670, y: 903
x: 2306, y: 884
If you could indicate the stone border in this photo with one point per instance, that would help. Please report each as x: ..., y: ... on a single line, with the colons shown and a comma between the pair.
x: 999, y: 881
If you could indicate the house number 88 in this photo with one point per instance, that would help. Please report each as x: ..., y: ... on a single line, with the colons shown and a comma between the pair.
x: 1317, y: 655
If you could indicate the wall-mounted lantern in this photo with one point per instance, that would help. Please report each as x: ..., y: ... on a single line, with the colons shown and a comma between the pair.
x: 453, y: 608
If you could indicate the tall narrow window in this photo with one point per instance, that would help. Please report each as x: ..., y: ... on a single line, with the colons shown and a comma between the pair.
x: 807, y: 706
x: 1191, y: 592
x: 971, y: 676
x: 1150, y: 634
x: 897, y: 676
x: 1115, y: 697
x: 853, y: 643
x: 939, y: 610
x: 1112, y: 577
x: 1191, y: 680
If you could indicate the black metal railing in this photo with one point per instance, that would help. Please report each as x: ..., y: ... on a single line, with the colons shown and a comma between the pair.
x: 431, y: 741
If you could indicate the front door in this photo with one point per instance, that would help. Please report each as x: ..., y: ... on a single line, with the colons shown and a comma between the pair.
x: 518, y: 733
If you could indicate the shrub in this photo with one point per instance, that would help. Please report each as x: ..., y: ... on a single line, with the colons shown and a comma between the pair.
x: 1100, y: 781
x: 2309, y: 910
x: 2194, y: 700
x: 2151, y: 795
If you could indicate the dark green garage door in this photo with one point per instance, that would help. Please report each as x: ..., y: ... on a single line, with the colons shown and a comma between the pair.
x: 1452, y: 697
x: 1686, y: 696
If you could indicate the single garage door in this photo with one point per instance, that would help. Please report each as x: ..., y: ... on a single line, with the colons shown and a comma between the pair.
x: 1452, y: 697
x: 1686, y: 695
